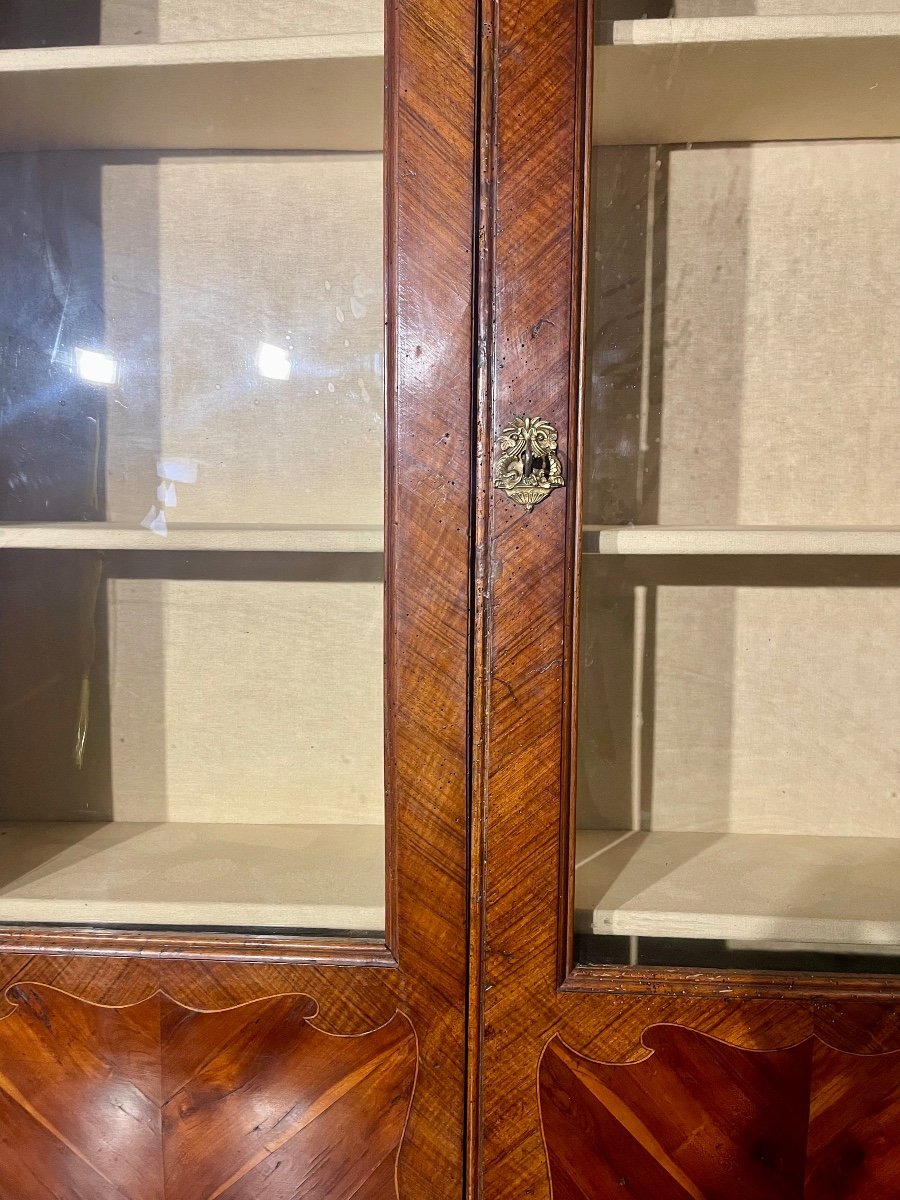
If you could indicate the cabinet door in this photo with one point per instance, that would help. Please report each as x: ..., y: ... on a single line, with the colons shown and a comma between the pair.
x: 235, y: 364
x: 689, y: 813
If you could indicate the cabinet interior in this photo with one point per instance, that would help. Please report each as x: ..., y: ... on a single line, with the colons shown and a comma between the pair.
x: 738, y: 762
x: 192, y: 378
x: 738, y: 794
x: 732, y: 70
x: 37, y: 23
x: 132, y: 76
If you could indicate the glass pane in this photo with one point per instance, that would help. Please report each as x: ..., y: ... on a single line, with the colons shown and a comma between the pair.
x: 32, y: 23
x: 191, y: 572
x: 737, y: 765
x: 738, y: 769
x: 743, y: 355
x: 641, y: 10
x: 192, y: 339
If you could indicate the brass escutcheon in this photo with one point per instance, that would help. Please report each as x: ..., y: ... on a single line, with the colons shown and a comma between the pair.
x: 528, y: 468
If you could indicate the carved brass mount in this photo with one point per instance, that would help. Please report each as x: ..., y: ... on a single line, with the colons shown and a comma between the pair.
x: 528, y: 468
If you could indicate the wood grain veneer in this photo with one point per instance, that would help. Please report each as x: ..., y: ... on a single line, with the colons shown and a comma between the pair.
x: 806, y: 1120
x: 156, y: 1100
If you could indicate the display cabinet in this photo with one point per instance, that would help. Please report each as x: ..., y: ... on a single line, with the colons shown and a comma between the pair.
x: 448, y: 600
x: 687, y: 800
x: 235, y: 377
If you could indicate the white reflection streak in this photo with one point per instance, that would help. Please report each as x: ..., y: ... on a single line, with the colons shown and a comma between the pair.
x: 273, y: 362
x: 95, y: 367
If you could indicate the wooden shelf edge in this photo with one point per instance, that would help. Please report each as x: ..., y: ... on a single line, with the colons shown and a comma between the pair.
x: 757, y: 540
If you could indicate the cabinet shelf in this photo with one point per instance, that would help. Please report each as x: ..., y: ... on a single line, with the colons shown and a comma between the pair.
x: 312, y: 93
x: 772, y: 79
x: 271, y: 876
x: 649, y: 540
x: 770, y: 887
x: 322, y: 539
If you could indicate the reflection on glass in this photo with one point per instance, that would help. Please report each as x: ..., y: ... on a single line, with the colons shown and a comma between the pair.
x: 738, y: 773
x: 273, y: 362
x: 725, y: 282
x: 185, y: 742
x: 191, y: 618
x: 738, y: 761
x: 95, y: 367
x: 642, y: 10
x: 141, y: 304
x: 25, y: 23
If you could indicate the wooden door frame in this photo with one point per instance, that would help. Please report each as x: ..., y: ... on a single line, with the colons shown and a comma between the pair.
x: 419, y: 970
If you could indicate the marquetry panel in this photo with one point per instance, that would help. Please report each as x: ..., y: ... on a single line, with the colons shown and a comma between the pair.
x: 853, y: 1151
x: 803, y: 1122
x: 156, y: 1101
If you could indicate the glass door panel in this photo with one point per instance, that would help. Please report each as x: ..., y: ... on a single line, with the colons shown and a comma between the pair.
x: 742, y: 349
x: 737, y: 767
x: 34, y: 23
x: 738, y: 774
x: 192, y: 392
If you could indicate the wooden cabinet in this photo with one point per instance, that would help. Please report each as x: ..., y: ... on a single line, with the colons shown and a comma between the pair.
x: 448, y: 620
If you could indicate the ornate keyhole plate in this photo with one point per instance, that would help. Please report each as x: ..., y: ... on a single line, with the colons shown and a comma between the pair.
x: 528, y: 467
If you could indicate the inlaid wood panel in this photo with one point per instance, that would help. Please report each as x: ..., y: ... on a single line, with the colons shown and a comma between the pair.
x: 158, y: 1101
x: 853, y: 1150
x: 682, y: 1122
x: 698, y: 1116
